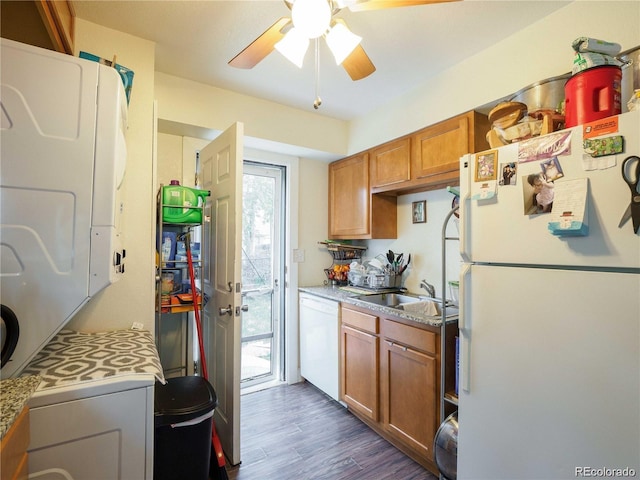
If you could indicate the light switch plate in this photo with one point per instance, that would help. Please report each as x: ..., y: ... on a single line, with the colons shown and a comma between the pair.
x: 298, y: 255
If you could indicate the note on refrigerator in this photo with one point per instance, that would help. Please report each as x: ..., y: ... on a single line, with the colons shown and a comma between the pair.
x: 569, y: 212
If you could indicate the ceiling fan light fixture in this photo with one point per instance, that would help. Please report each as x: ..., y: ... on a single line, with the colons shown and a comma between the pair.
x: 342, y: 42
x: 293, y: 46
x: 311, y: 17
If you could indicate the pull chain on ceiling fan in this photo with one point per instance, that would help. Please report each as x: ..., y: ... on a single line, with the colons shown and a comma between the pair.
x: 313, y: 19
x: 318, y: 101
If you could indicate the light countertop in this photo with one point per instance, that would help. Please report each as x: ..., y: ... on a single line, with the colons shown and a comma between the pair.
x: 14, y: 395
x: 347, y: 295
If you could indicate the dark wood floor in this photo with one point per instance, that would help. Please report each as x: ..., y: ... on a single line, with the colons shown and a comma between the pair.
x: 296, y: 432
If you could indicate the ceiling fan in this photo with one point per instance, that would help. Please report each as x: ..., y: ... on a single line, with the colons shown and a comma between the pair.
x: 312, y: 19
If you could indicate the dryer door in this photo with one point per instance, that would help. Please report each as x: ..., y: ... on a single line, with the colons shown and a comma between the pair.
x: 9, y: 334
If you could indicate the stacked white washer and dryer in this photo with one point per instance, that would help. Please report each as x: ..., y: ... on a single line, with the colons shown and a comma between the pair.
x: 63, y: 157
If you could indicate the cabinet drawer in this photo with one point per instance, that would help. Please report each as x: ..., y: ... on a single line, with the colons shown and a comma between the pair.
x: 361, y: 321
x: 411, y: 336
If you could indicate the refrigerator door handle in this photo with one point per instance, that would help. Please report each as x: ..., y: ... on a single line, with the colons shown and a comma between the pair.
x: 465, y: 360
x: 464, y: 325
x: 465, y: 279
x: 465, y: 199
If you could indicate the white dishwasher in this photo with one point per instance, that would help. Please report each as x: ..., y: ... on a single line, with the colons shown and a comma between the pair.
x: 319, y: 343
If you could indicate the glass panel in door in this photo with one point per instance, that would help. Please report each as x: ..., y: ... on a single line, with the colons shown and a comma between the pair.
x: 261, y: 264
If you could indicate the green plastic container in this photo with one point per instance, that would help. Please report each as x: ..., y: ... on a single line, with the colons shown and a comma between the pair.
x: 182, y: 204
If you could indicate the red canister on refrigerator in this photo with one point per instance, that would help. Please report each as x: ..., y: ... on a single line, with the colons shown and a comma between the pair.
x: 592, y: 94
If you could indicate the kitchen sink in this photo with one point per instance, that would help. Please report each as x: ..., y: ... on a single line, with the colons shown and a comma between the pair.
x: 409, y: 303
x: 388, y: 299
x: 429, y: 307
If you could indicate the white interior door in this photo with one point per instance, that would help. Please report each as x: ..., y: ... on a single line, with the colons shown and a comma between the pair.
x: 221, y: 163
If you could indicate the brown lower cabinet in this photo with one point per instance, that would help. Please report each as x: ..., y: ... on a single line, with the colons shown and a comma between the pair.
x: 409, y: 381
x: 14, y: 463
x: 390, y: 374
x: 360, y: 365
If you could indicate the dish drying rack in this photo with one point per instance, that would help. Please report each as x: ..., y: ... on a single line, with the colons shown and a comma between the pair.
x: 342, y: 256
x: 375, y: 281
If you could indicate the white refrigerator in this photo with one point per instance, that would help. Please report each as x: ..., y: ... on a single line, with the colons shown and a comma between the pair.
x: 550, y: 312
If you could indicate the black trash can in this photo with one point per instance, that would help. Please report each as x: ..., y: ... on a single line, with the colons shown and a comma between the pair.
x: 183, y: 421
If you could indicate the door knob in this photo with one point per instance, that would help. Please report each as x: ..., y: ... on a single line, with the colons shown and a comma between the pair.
x: 244, y: 308
x: 225, y: 311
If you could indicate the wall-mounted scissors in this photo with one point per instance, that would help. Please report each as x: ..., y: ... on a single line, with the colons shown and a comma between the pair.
x: 631, y: 176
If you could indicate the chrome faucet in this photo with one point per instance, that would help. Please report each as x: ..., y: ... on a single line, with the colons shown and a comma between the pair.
x: 429, y: 288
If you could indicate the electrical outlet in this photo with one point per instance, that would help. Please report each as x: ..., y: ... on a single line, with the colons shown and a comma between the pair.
x: 298, y: 255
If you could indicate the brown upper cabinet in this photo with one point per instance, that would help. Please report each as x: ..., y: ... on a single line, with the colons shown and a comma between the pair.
x: 44, y: 23
x: 390, y: 163
x: 429, y: 158
x: 436, y: 150
x: 363, y: 188
x: 354, y: 213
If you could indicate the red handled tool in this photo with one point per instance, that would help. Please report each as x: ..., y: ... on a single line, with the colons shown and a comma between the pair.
x: 217, y: 470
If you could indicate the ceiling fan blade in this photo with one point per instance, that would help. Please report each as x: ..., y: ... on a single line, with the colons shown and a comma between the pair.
x: 261, y: 46
x: 363, y: 5
x: 358, y: 64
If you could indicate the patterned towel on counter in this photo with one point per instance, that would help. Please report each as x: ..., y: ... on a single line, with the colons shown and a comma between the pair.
x: 74, y: 357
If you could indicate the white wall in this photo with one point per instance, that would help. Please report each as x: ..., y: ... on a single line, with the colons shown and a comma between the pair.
x: 132, y: 298
x: 170, y: 164
x: 423, y: 241
x: 187, y: 102
x: 313, y: 221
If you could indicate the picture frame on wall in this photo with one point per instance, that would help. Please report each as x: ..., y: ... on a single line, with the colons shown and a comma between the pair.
x: 419, y: 211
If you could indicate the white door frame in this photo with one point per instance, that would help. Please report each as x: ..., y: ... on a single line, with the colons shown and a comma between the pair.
x: 290, y: 282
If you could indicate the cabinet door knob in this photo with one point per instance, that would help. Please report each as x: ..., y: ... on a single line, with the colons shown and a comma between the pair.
x: 225, y: 311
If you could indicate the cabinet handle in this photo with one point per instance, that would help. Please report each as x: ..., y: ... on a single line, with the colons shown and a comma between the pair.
x: 391, y: 344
